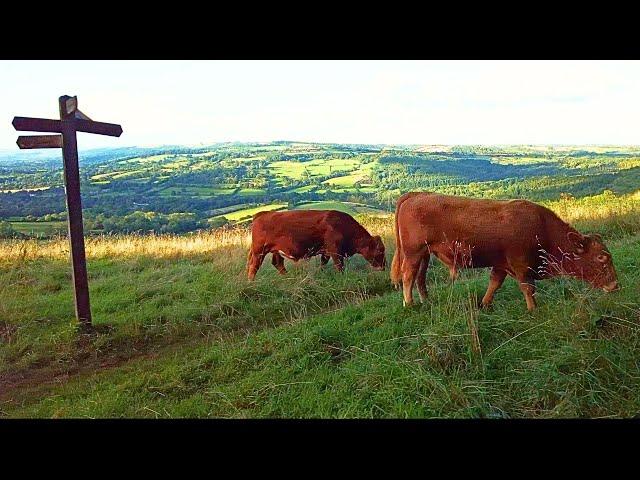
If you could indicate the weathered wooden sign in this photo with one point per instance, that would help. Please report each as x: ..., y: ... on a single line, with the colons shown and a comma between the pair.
x: 71, y: 121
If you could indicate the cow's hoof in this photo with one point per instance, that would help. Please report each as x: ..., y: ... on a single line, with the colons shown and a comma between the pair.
x: 483, y: 306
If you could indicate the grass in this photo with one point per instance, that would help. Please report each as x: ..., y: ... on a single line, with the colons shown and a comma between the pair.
x: 299, y: 170
x: 305, y: 189
x: 39, y: 228
x: 250, y: 191
x: 32, y: 189
x: 116, y: 175
x: 347, y: 207
x: 607, y: 214
x: 190, y: 337
x: 196, y: 191
x: 249, y: 212
x: 149, y: 159
x: 329, y: 205
x: 345, y: 181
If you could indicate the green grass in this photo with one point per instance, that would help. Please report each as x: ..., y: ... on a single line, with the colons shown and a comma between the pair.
x: 347, y: 207
x: 340, y: 206
x: 117, y: 175
x: 299, y: 170
x: 346, y: 180
x: 250, y: 191
x: 305, y: 189
x: 182, y: 333
x: 249, y: 212
x: 191, y: 338
x: 32, y: 189
x: 39, y: 228
x: 150, y: 159
x: 196, y: 191
x: 361, y: 189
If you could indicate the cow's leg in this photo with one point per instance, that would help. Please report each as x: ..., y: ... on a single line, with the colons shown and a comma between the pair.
x: 410, y: 267
x: 338, y: 262
x: 278, y: 261
x: 496, y: 279
x: 453, y: 273
x: 324, y: 259
x: 334, y: 249
x: 450, y: 262
x: 421, y: 278
x: 528, y: 288
x: 254, y: 262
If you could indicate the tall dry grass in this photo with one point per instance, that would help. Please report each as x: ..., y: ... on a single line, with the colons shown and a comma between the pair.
x: 129, y: 245
x: 608, y: 214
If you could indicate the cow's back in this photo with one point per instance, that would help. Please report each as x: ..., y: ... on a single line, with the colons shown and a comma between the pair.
x: 488, y: 229
x: 300, y: 231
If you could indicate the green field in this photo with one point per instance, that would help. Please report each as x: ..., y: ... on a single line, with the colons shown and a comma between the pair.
x: 150, y: 159
x: 347, y: 207
x: 39, y: 228
x: 299, y: 170
x: 180, y: 332
x: 196, y: 181
x: 192, y: 338
x: 196, y: 191
x: 345, y: 181
x: 251, y: 191
x: 249, y: 212
x: 304, y: 189
x: 32, y: 189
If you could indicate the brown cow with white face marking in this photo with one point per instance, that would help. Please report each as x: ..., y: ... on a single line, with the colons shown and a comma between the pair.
x: 514, y: 237
x: 301, y: 234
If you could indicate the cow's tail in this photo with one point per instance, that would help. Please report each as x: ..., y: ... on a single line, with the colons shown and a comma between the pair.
x: 398, y: 256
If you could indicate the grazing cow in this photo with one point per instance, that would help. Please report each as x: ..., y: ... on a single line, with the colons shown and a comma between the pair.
x: 300, y: 234
x: 514, y: 237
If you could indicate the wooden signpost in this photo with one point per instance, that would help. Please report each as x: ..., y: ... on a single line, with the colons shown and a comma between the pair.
x: 71, y: 121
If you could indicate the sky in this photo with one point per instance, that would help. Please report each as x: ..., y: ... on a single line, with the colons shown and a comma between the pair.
x: 374, y: 102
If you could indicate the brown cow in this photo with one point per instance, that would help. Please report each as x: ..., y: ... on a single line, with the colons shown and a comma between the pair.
x: 300, y: 234
x: 514, y: 237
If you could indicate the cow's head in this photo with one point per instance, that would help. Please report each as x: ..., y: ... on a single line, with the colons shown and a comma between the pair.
x: 373, y: 252
x: 592, y: 261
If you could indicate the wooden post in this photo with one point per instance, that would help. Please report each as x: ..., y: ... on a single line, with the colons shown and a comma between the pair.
x: 74, y: 210
x: 71, y: 121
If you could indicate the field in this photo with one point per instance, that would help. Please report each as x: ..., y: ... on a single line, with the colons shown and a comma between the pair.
x: 247, y: 213
x: 347, y: 207
x: 180, y: 332
x: 189, y: 336
x: 40, y: 228
x: 299, y: 170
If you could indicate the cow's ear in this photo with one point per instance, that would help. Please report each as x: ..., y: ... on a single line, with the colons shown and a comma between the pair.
x: 577, y: 240
x: 597, y: 237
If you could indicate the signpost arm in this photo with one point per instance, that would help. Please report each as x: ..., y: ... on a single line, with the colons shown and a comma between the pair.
x: 74, y: 209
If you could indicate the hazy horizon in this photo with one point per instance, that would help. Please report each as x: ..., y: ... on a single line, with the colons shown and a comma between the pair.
x: 53, y: 152
x: 193, y: 103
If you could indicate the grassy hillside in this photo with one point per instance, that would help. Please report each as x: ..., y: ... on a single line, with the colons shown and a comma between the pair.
x: 181, y: 333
